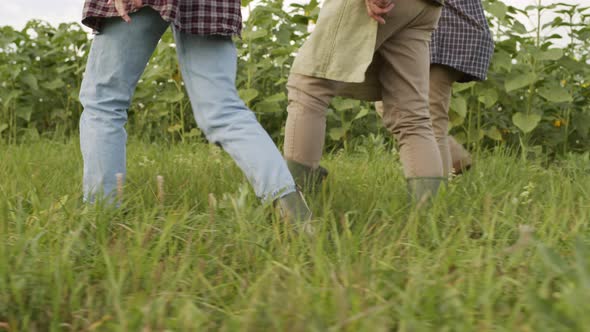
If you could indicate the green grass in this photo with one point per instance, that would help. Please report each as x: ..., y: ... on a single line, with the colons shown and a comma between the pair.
x: 212, y: 258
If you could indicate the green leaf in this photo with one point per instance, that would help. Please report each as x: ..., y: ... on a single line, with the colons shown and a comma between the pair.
x: 488, y: 98
x: 15, y: 72
x: 555, y: 94
x: 498, y: 9
x: 193, y: 133
x: 337, y: 133
x: 25, y: 113
x: 54, y: 85
x: 460, y: 137
x: 62, y: 69
x: 581, y: 122
x: 502, y: 60
x: 520, y: 81
x: 248, y: 95
x: 550, y: 54
x: 276, y: 98
x: 455, y: 119
x: 74, y: 94
x: 494, y: 134
x: 571, y: 63
x: 172, y: 96
x: 526, y: 122
x: 458, y: 87
x: 519, y: 28
x: 59, y: 113
x: 268, y: 107
x: 475, y: 134
x: 250, y: 35
x: 174, y: 128
x: 283, y: 35
x: 31, y: 134
x: 3, y: 127
x: 30, y: 80
x: 341, y: 104
x: 459, y: 106
x: 14, y: 94
x: 363, y: 112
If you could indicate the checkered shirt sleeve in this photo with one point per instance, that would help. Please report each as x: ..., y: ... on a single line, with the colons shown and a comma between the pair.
x: 463, y: 39
x: 200, y: 17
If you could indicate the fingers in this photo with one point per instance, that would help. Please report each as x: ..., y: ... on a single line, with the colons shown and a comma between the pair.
x: 126, y: 18
x: 377, y: 18
x: 121, y: 7
x: 371, y: 15
x: 379, y: 8
x: 383, y: 10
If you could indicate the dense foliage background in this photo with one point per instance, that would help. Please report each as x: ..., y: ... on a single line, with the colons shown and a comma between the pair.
x: 537, y: 95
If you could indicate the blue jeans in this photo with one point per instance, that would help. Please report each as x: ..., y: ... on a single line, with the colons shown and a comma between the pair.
x: 118, y: 57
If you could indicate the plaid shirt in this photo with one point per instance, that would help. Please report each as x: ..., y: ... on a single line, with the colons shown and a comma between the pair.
x: 200, y: 17
x: 463, y: 39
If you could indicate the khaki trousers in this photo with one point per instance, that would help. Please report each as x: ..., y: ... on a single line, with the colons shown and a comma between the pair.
x: 454, y: 156
x: 441, y: 89
x: 403, y: 45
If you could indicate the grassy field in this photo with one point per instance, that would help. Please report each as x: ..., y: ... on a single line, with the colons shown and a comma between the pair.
x: 505, y: 248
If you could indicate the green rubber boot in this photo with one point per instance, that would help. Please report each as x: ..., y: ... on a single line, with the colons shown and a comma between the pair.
x: 308, y: 179
x: 294, y: 210
x: 423, y: 189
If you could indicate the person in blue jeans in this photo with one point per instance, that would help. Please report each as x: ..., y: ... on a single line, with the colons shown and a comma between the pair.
x: 208, y: 59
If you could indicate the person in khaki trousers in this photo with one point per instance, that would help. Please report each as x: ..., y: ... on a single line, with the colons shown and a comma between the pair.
x: 350, y: 54
x: 460, y: 51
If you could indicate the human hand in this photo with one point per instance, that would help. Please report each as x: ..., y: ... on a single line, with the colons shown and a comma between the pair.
x: 121, y: 6
x: 379, y: 8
